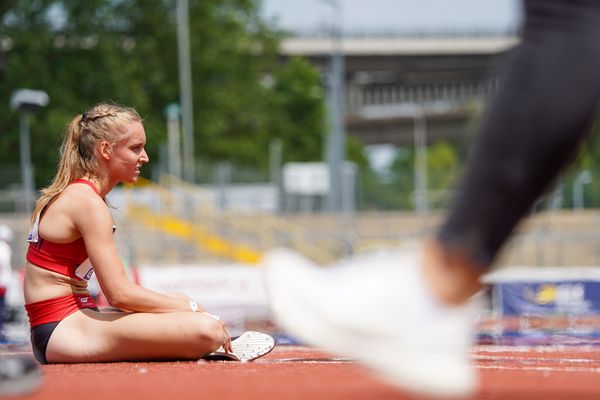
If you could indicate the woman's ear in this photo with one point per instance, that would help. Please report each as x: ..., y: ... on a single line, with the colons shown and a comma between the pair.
x: 105, y: 150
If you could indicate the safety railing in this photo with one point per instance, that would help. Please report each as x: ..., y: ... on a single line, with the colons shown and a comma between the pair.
x: 187, y: 212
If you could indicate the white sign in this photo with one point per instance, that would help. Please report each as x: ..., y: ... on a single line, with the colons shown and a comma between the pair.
x: 310, y: 178
x: 233, y: 292
x: 219, y: 285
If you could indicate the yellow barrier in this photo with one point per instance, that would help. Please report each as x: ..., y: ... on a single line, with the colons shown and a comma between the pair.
x: 195, y: 234
x: 185, y: 230
x: 266, y: 229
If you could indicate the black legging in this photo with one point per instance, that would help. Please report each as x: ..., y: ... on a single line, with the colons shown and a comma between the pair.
x: 544, y: 106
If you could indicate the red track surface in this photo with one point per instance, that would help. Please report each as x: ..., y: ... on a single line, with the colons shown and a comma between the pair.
x: 288, y: 372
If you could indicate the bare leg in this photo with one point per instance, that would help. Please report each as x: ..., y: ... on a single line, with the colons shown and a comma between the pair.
x: 90, y: 336
x: 452, y: 276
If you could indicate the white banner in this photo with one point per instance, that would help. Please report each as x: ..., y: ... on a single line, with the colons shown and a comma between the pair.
x: 234, y: 292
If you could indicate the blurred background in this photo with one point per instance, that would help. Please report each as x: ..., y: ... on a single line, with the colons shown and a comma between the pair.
x: 332, y: 127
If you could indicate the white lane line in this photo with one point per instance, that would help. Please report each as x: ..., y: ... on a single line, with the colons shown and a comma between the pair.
x: 542, y: 369
x: 480, y: 357
x: 537, y: 349
x: 305, y: 360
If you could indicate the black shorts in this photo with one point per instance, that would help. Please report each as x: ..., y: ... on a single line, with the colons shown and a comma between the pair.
x: 40, y: 335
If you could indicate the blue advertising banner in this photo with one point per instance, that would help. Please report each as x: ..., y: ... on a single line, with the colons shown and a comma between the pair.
x: 546, y: 298
x: 543, y: 306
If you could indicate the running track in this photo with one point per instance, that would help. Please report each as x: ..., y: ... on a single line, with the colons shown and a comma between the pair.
x: 301, y: 373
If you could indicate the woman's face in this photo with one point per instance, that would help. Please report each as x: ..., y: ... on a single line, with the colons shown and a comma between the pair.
x: 128, y: 154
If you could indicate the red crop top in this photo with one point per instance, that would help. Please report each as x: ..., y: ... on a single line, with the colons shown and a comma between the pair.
x: 69, y: 259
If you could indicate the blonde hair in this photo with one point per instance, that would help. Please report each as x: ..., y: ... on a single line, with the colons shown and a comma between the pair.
x: 77, y: 156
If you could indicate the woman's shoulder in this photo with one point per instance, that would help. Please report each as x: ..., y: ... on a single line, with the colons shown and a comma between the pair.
x: 69, y: 211
x: 80, y: 198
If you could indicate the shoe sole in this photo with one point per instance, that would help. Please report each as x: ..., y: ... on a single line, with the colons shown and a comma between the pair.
x: 252, y: 345
x: 247, y: 347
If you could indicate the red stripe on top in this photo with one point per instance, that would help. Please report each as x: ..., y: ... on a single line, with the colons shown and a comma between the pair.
x: 63, y: 258
x: 89, y: 183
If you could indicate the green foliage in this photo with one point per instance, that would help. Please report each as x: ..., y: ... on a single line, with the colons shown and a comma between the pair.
x: 396, y: 190
x: 443, y: 166
x: 82, y: 52
x: 586, y: 159
x: 297, y: 112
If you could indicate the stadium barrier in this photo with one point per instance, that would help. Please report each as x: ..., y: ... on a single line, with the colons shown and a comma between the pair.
x: 543, y: 305
x: 188, y: 212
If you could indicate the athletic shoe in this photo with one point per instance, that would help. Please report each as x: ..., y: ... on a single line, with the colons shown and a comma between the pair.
x: 376, y: 309
x: 19, y: 374
x: 247, y: 347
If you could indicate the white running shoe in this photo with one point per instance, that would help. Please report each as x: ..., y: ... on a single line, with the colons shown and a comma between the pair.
x: 376, y: 309
x: 247, y: 347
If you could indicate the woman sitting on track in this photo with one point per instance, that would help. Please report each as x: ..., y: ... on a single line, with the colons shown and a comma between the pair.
x: 71, y: 222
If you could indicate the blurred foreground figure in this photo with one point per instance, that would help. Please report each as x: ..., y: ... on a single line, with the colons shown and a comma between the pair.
x: 19, y: 375
x: 6, y: 236
x: 408, y: 314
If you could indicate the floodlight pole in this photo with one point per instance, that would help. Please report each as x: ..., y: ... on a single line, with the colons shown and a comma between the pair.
x: 26, y: 167
x: 275, y: 156
x: 584, y: 177
x: 336, y: 143
x: 185, y: 88
x: 420, y: 169
x: 173, y: 132
x: 25, y: 102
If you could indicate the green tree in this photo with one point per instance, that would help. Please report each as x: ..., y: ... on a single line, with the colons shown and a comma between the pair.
x: 585, y: 159
x: 396, y: 190
x: 298, y: 97
x: 82, y: 52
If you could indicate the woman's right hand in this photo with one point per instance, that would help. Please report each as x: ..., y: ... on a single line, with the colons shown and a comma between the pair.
x: 226, y: 340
